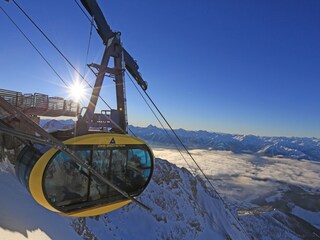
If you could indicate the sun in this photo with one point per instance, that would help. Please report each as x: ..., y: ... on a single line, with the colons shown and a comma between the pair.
x: 77, y: 90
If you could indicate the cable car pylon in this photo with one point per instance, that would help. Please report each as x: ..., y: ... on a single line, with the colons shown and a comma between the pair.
x: 95, y: 167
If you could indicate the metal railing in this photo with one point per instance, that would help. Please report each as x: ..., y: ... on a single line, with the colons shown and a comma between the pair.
x: 40, y: 104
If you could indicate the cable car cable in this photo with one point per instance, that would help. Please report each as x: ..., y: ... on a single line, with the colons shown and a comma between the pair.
x: 178, y: 138
x: 74, y: 158
x: 38, y: 51
x: 87, y: 16
x: 212, y: 187
x: 59, y: 51
x: 99, y: 96
x: 198, y: 166
x: 69, y: 62
x: 155, y: 115
x: 55, y: 143
x: 41, y: 55
x: 66, y: 59
x: 91, y: 20
x: 53, y: 69
x: 24, y: 136
x: 88, y: 48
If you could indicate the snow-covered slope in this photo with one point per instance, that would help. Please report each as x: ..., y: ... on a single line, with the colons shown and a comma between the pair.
x: 275, y: 198
x: 51, y: 125
x: 182, y: 208
x: 22, y: 218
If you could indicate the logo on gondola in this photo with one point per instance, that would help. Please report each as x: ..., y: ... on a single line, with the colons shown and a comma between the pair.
x: 112, y: 141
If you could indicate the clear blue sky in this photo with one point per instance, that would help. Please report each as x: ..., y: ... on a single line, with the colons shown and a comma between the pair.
x: 250, y: 67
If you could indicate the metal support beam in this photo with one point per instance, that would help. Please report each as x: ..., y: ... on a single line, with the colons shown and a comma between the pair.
x: 120, y: 89
x: 98, y: 84
x: 47, y: 139
x: 115, y: 50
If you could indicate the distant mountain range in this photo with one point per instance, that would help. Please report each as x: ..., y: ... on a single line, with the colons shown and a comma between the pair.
x: 51, y: 125
x: 290, y: 147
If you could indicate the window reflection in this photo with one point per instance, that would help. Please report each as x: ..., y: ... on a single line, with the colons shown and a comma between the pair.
x: 138, y: 168
x: 67, y: 184
x: 100, y: 163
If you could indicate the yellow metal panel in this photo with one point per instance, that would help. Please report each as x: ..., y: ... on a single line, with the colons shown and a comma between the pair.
x: 104, y: 139
x: 35, y: 180
x: 97, y: 210
x: 100, y: 139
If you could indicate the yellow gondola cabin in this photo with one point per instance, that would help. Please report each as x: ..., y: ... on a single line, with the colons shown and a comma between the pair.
x: 61, y: 185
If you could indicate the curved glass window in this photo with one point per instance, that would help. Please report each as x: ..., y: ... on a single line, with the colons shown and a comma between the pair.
x: 26, y: 160
x: 65, y: 182
x: 138, y: 168
x: 100, y: 163
x: 68, y: 186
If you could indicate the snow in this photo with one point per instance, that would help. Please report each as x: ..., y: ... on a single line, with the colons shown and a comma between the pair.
x: 53, y: 125
x: 9, y: 235
x: 296, y: 148
x: 248, y: 176
x: 311, y: 217
x: 267, y: 227
x: 177, y: 212
x: 247, y: 181
x: 274, y: 197
x: 22, y: 218
x: 181, y: 209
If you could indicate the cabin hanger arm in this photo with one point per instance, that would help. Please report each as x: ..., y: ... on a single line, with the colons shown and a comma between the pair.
x: 106, y: 34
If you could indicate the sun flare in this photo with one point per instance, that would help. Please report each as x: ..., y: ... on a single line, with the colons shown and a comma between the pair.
x: 77, y: 90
